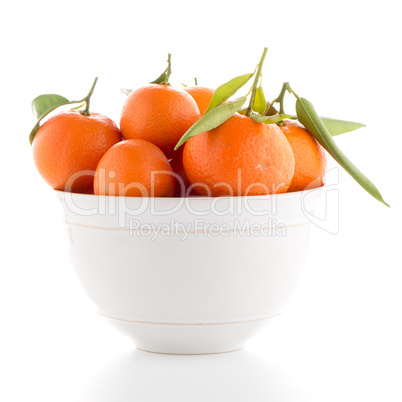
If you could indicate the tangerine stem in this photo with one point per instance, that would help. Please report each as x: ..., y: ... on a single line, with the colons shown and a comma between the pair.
x: 87, y: 99
x: 255, y: 84
x: 168, y: 70
x: 163, y: 79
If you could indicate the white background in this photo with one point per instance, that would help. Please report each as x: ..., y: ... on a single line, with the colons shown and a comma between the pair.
x: 340, y: 336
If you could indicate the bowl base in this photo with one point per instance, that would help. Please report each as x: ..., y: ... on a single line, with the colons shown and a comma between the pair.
x: 190, y: 354
x: 189, y: 339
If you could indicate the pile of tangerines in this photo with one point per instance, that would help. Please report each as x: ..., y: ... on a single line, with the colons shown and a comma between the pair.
x: 177, y: 142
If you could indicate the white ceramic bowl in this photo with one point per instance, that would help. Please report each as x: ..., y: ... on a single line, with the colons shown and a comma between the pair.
x: 189, y: 275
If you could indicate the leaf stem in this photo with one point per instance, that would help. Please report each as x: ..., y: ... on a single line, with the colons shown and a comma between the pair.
x: 293, y: 92
x: 87, y: 99
x: 78, y: 107
x: 279, y: 99
x: 255, y: 84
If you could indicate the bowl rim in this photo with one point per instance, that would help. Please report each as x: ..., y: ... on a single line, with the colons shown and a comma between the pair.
x: 287, y: 195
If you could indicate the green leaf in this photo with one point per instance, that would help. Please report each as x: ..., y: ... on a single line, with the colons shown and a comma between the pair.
x: 160, y: 80
x: 225, y: 91
x: 213, y: 119
x: 336, y: 127
x: 270, y: 119
x: 126, y: 91
x: 34, y: 131
x: 43, y: 104
x: 307, y: 115
x: 271, y: 111
x: 260, y: 103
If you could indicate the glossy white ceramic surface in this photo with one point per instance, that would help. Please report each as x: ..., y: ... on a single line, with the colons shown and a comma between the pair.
x: 189, y: 276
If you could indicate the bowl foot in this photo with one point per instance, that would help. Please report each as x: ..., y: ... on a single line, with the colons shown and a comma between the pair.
x: 189, y: 339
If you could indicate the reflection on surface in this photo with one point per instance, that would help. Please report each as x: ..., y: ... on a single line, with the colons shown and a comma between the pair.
x: 237, y: 376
